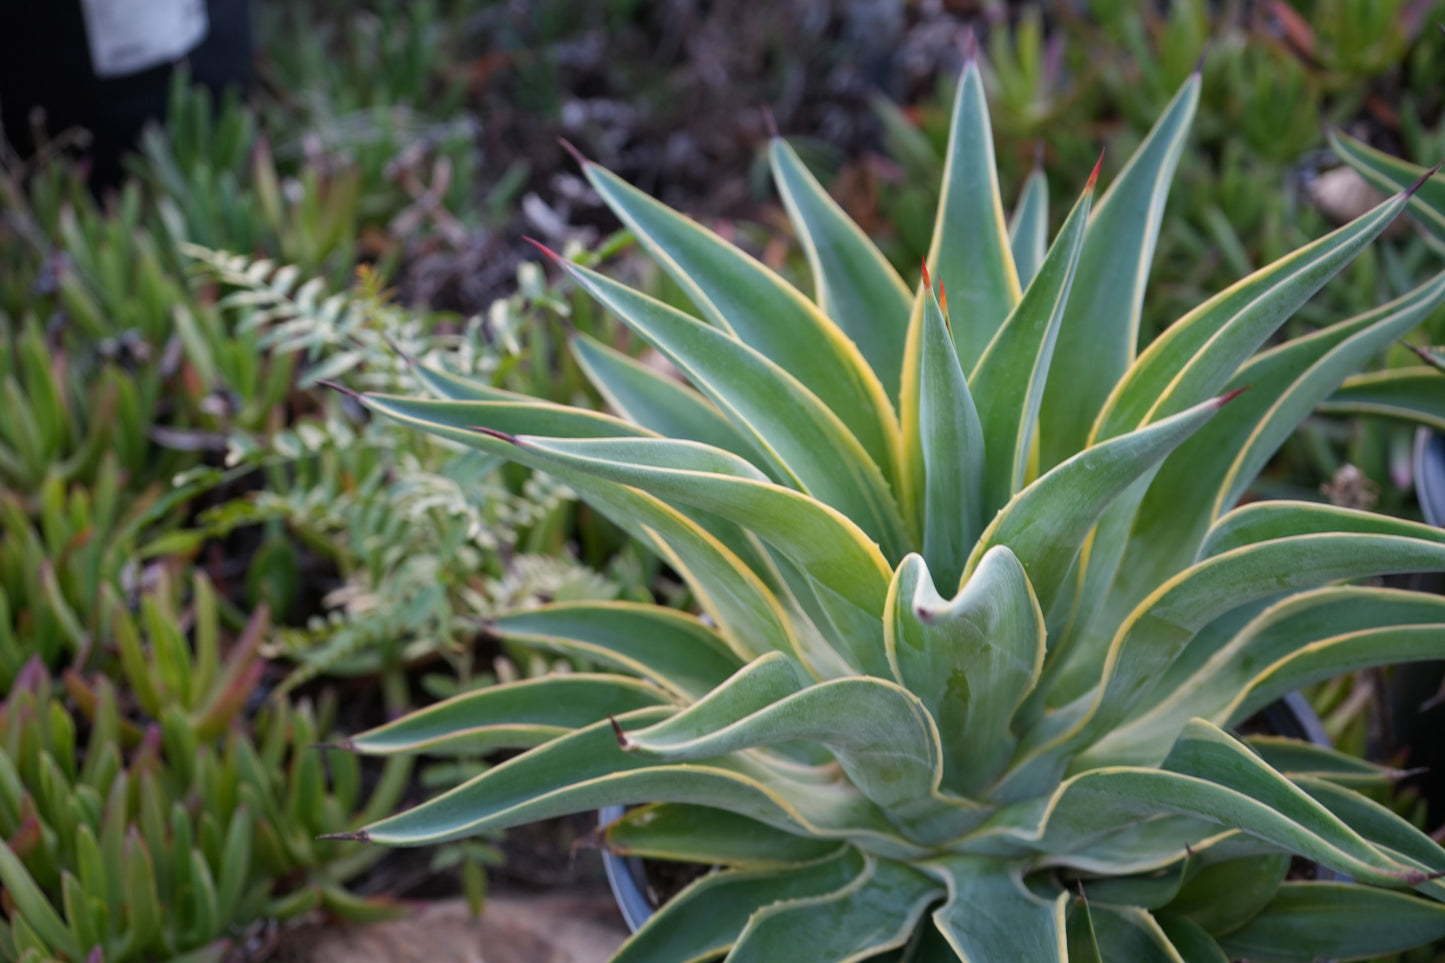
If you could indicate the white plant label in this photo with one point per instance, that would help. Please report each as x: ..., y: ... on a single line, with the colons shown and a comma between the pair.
x: 128, y: 36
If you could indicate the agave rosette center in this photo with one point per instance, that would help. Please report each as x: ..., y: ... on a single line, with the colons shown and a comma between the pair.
x: 977, y: 609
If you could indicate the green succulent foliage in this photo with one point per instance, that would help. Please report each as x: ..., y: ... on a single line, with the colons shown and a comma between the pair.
x: 145, y: 817
x: 128, y: 383
x: 59, y: 553
x: 213, y: 180
x: 980, y: 609
x: 1411, y: 393
x: 128, y: 360
x: 1269, y: 77
x: 371, y: 87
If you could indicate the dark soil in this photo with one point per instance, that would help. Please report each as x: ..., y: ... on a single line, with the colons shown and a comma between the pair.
x: 674, y: 96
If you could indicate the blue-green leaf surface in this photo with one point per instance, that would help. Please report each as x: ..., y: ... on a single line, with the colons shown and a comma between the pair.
x: 854, y: 283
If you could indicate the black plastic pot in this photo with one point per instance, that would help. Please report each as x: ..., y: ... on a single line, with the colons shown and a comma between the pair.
x: 1430, y: 475
x: 627, y: 876
x: 1415, y: 711
x: 1292, y: 717
x: 46, y: 63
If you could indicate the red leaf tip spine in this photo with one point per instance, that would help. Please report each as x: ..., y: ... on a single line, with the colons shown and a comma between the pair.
x: 494, y: 433
x: 970, y: 47
x: 1423, y: 178
x: 545, y: 250
x: 622, y: 742
x: 571, y: 148
x: 770, y: 122
x: 1094, y: 177
x: 341, y: 388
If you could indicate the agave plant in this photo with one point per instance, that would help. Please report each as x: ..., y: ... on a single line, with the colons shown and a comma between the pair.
x: 979, y: 604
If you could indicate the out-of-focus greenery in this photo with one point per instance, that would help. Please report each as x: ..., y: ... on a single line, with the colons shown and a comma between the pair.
x: 167, y: 466
x: 169, y: 819
x: 1066, y: 88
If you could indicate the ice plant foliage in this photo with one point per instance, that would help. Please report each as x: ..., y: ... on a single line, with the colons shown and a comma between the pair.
x: 979, y: 605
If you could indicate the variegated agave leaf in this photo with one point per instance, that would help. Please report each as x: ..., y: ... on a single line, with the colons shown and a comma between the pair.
x: 977, y: 603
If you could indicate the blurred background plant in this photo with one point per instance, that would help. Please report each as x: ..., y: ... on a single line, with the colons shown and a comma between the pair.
x: 169, y: 464
x: 173, y: 818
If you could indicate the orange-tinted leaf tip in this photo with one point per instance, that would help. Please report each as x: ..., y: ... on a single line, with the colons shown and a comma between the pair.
x: 943, y: 299
x: 927, y: 281
x: 1094, y: 177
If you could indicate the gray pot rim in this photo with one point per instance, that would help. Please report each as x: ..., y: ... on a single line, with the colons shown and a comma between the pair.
x: 1291, y: 716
